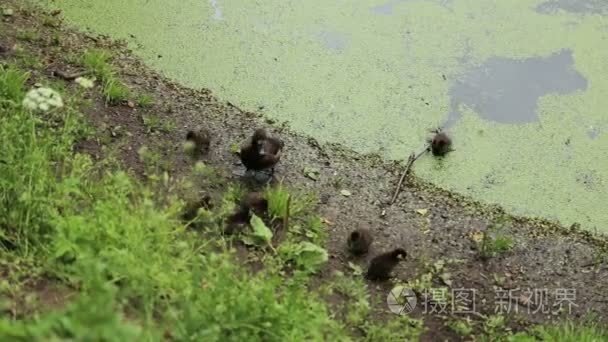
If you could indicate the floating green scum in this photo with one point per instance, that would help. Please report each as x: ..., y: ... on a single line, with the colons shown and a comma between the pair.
x: 520, y: 84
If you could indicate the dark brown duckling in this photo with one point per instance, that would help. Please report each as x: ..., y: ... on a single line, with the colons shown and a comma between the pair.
x: 191, y: 210
x: 256, y: 203
x: 381, y: 266
x: 262, y: 152
x: 197, y: 142
x: 441, y: 144
x: 252, y: 203
x: 359, y: 241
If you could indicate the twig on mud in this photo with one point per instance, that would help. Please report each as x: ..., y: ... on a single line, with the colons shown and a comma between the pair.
x: 593, y: 263
x: 69, y: 77
x: 413, y: 157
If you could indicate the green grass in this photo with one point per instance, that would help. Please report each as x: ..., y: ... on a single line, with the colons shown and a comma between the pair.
x: 28, y: 35
x: 114, y: 91
x: 145, y: 100
x: 563, y: 332
x: 11, y: 86
x: 279, y: 199
x: 155, y: 123
x: 97, y: 61
x: 493, y: 241
x: 29, y: 61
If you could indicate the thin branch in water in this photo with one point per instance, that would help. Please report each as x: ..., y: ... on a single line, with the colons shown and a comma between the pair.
x: 413, y: 157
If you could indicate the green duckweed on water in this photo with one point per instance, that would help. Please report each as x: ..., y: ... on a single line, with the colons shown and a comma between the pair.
x: 378, y: 75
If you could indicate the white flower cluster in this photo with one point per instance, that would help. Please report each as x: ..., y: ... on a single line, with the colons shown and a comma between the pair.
x: 85, y: 82
x: 42, y: 99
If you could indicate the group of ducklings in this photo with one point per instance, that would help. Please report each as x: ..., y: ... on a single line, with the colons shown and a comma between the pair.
x: 359, y: 241
x: 261, y: 153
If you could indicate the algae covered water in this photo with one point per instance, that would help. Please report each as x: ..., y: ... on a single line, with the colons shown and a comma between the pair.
x: 519, y: 84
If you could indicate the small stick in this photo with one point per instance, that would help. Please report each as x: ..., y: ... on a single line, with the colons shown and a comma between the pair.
x: 70, y: 77
x: 410, y: 162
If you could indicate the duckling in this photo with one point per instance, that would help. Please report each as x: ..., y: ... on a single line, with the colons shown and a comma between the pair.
x: 191, y: 209
x: 359, y: 241
x: 237, y: 222
x: 253, y: 202
x: 441, y: 144
x: 262, y: 152
x: 197, y: 142
x: 381, y: 266
x: 256, y: 203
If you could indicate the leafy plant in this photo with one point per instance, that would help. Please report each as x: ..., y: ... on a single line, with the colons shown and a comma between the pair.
x: 305, y: 255
x: 260, y: 234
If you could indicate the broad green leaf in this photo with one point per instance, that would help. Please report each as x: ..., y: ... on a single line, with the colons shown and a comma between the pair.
x: 311, y: 255
x: 260, y: 231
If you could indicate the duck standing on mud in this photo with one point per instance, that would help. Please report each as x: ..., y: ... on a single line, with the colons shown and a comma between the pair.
x: 380, y: 267
x: 262, y: 152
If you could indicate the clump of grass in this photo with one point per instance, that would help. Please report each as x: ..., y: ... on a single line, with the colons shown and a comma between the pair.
x: 28, y: 35
x: 12, y: 81
x: 279, y: 199
x: 145, y: 100
x: 493, y: 241
x: 28, y: 60
x: 154, y: 123
x: 97, y: 61
x: 115, y: 91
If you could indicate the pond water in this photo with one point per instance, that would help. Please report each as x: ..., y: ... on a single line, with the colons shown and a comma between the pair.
x: 520, y: 84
